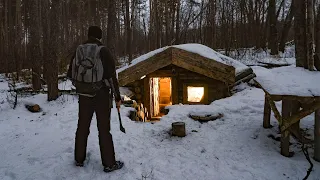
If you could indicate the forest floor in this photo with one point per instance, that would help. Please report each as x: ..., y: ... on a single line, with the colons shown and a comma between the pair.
x: 37, y: 146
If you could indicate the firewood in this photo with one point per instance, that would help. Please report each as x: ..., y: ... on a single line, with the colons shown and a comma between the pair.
x: 137, y: 90
x: 138, y: 96
x: 33, y: 107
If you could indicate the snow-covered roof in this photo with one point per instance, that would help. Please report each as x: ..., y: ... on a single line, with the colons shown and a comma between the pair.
x: 289, y: 81
x: 200, y: 49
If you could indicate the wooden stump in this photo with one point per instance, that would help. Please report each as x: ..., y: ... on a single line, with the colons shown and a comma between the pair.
x: 179, y: 129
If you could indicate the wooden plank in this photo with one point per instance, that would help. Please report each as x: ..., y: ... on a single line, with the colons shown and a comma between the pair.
x: 196, y: 57
x: 204, y: 66
x: 205, y: 71
x: 266, y: 113
x: 295, y: 128
x: 274, y: 108
x: 161, y: 73
x: 146, y: 84
x: 279, y: 97
x: 317, y: 136
x: 285, y: 135
x: 145, y: 67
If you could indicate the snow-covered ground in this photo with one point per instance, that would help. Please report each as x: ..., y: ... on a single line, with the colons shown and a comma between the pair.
x: 37, y: 146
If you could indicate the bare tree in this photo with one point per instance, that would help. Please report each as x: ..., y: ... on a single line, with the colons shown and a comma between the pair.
x: 286, y: 28
x: 273, y: 28
x: 310, y: 35
x: 300, y: 32
x: 317, y: 40
x: 35, y: 50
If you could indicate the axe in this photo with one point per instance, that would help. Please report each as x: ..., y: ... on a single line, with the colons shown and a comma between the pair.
x: 121, y: 127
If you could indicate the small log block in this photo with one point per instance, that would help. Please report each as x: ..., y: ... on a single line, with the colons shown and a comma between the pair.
x: 179, y: 129
x: 266, y: 113
x: 33, y: 108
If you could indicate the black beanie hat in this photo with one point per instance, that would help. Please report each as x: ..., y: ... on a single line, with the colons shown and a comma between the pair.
x: 95, y: 31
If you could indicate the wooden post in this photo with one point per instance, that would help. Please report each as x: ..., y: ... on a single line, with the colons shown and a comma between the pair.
x: 266, y: 113
x: 285, y: 135
x: 174, y: 88
x: 317, y: 136
x: 146, y: 85
x: 296, y: 126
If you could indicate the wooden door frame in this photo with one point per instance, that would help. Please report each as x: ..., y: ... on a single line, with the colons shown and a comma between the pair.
x: 174, y: 90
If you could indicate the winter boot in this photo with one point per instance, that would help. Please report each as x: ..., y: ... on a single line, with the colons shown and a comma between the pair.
x: 116, y: 166
x: 79, y: 164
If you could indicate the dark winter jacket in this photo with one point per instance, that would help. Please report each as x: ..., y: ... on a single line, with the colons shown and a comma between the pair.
x: 108, y: 62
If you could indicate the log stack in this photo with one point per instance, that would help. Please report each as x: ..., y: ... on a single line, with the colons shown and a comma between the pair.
x: 140, y: 113
x: 137, y: 91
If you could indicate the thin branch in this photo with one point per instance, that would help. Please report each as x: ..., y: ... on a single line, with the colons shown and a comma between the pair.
x: 306, y: 154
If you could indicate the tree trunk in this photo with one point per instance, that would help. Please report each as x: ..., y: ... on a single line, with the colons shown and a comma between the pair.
x: 317, y: 39
x: 52, y: 72
x: 35, y: 51
x: 310, y: 35
x: 111, y: 31
x: 273, y: 28
x: 286, y: 28
x: 128, y: 28
x: 178, y: 23
x: 300, y: 32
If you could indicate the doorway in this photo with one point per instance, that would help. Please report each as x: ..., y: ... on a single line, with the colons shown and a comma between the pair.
x: 161, y: 96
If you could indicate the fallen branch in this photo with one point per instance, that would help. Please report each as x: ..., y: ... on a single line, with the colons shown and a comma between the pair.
x: 32, y: 92
x: 306, y: 154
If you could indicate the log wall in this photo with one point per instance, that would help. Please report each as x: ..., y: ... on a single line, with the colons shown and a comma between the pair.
x: 180, y: 78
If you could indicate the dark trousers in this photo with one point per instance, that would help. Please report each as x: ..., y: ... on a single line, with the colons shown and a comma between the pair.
x: 100, y: 104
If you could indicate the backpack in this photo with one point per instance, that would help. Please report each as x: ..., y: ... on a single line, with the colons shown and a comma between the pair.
x: 87, y: 69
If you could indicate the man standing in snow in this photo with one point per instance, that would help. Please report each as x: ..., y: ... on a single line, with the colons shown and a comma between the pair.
x: 97, y: 99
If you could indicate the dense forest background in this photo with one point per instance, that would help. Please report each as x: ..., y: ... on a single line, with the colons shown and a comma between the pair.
x: 42, y: 35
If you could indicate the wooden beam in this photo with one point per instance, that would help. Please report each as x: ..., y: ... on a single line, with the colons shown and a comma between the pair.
x: 161, y: 73
x: 176, y: 52
x: 266, y: 113
x: 279, y: 97
x: 174, y: 88
x: 274, y: 108
x: 146, y: 67
x: 285, y: 135
x: 207, y: 67
x: 301, y: 114
x: 146, y: 84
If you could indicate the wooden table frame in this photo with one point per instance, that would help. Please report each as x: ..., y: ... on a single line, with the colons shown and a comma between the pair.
x: 291, y: 115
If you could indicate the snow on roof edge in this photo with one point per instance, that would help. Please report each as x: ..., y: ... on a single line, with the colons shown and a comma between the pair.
x: 199, y: 49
